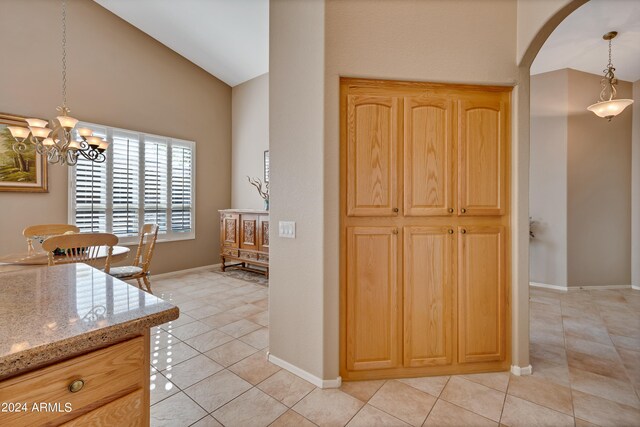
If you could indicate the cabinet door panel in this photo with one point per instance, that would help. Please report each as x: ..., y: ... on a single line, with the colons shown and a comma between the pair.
x: 372, y: 318
x: 482, y: 152
x: 263, y: 234
x: 481, y: 294
x: 428, y: 156
x: 372, y: 138
x: 429, y: 265
x: 249, y: 232
x: 229, y: 225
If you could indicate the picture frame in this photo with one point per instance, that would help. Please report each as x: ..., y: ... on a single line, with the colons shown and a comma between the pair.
x: 266, y: 166
x: 20, y: 172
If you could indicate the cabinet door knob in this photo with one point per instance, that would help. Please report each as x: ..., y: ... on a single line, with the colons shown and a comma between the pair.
x: 76, y: 386
x: 463, y: 210
x: 395, y: 210
x: 395, y: 231
x: 450, y: 231
x: 450, y: 210
x: 463, y: 231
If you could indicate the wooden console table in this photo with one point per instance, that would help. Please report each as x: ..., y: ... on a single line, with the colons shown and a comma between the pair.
x: 244, y: 238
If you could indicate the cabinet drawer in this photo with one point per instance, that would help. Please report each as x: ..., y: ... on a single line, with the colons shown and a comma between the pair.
x: 229, y: 252
x: 107, y: 374
x: 249, y: 255
x: 126, y: 412
x: 263, y: 257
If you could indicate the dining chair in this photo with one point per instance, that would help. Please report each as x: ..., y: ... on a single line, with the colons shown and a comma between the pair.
x: 142, y: 262
x: 43, y: 231
x: 83, y: 247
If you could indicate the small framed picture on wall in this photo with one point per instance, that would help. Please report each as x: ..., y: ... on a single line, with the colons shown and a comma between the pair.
x: 266, y: 166
x: 22, y: 169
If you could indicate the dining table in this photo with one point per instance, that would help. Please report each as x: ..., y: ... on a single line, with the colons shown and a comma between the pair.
x: 40, y: 258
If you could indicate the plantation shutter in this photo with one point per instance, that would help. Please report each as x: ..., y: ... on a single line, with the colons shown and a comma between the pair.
x: 126, y: 183
x: 155, y: 182
x: 91, y: 193
x: 181, y: 187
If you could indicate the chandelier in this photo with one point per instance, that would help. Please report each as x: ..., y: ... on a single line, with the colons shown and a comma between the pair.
x: 61, y: 142
x: 608, y: 107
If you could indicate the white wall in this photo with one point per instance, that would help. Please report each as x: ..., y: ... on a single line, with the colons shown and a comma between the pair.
x: 548, y: 177
x: 635, y: 189
x: 250, y: 139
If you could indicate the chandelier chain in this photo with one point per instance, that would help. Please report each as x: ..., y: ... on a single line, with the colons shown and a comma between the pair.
x: 64, y: 53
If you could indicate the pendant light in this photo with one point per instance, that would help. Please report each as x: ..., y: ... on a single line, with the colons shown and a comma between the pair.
x: 609, y: 107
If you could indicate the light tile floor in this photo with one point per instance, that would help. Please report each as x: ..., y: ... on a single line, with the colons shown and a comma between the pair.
x: 209, y: 368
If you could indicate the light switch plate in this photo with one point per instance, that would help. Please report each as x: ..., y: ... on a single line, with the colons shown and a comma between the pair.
x: 287, y: 229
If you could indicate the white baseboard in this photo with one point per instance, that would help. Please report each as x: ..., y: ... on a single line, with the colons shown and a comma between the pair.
x: 188, y: 270
x: 547, y: 286
x: 596, y: 288
x: 635, y: 287
x: 519, y: 371
x: 318, y: 382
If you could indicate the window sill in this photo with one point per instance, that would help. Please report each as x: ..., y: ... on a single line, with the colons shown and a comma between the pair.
x: 133, y: 240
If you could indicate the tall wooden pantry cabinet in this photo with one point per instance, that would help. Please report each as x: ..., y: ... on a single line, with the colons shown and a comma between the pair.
x: 424, y: 229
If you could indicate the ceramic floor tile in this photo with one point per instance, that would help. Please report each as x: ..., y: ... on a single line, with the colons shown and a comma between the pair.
x: 255, y: 368
x: 583, y: 423
x: 475, y: 397
x: 230, y: 353
x: 253, y: 408
x: 542, y: 392
x: 190, y: 330
x: 239, y: 328
x: 522, y: 413
x: 328, y: 407
x: 159, y: 339
x: 292, y: 419
x: 207, y: 421
x: 180, y: 321
x: 551, y: 353
x: 403, y: 402
x: 172, y: 355
x: 631, y: 362
x: 370, y: 416
x: 191, y: 305
x: 609, y: 367
x: 286, y: 387
x: 362, y: 390
x: 592, y: 348
x: 626, y: 343
x: 222, y: 319
x: 261, y: 318
x: 208, y: 340
x: 605, y: 387
x: 430, y: 385
x: 604, y: 412
x: 494, y: 380
x: 446, y: 414
x: 554, y: 372
x: 176, y: 411
x: 191, y: 371
x: 258, y: 339
x: 218, y: 389
x: 161, y: 388
x: 206, y: 311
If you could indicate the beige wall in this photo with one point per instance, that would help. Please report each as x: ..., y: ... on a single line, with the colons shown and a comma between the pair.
x: 599, y: 188
x: 580, y: 185
x: 117, y: 76
x: 296, y: 134
x: 635, y: 188
x: 250, y: 139
x: 445, y: 41
x: 548, y: 177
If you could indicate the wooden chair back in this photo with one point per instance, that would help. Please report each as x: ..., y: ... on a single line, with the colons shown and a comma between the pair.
x: 83, y: 247
x: 146, y: 245
x: 46, y: 230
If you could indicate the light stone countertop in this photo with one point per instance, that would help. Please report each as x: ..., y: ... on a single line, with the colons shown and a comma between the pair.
x: 49, y: 314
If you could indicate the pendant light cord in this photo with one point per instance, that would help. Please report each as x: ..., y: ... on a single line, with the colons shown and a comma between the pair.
x: 64, y: 53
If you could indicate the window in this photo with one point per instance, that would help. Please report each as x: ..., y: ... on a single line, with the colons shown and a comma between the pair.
x: 145, y: 179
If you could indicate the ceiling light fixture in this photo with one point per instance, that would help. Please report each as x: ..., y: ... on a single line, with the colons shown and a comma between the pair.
x: 57, y: 142
x: 608, y: 107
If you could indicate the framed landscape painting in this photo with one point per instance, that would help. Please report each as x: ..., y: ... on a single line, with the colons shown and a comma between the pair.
x: 24, y: 172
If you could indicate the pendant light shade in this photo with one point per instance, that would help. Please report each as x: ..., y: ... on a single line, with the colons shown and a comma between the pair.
x: 609, y: 109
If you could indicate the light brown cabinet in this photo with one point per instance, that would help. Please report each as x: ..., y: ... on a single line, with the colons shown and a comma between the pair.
x: 424, y: 229
x: 244, y: 238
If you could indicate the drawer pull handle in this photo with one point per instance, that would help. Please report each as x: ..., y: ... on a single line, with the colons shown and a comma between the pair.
x: 463, y: 210
x: 396, y: 210
x: 450, y: 231
x: 450, y: 210
x: 76, y: 386
x: 463, y: 231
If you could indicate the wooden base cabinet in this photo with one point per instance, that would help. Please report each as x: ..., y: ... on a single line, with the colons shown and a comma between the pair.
x: 244, y: 239
x: 424, y: 228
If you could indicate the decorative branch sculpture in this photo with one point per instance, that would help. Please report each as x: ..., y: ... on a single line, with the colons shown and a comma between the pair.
x: 257, y: 182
